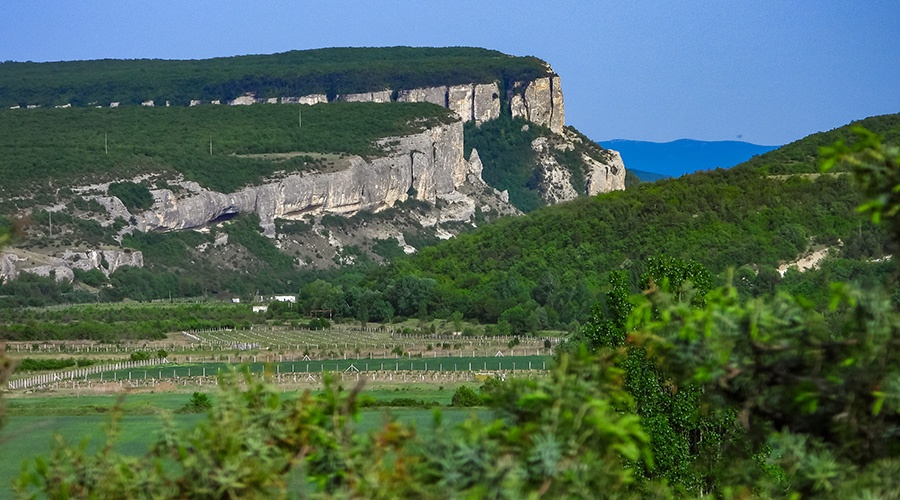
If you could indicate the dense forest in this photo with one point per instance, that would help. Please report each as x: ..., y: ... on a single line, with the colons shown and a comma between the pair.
x: 297, y: 73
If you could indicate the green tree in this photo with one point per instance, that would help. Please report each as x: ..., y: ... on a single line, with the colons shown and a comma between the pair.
x: 465, y: 397
x: 682, y: 439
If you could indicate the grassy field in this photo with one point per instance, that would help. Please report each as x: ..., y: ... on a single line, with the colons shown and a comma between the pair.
x: 36, y: 422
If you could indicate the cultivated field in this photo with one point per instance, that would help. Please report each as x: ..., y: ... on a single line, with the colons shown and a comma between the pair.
x: 295, y: 357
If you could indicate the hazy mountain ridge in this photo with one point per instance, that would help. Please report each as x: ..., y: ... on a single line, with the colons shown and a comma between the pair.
x: 683, y: 156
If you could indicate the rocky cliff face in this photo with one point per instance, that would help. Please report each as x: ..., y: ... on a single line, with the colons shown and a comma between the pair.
x: 601, y: 169
x: 607, y: 175
x: 424, y: 165
x: 539, y: 101
x: 479, y: 101
x: 16, y: 261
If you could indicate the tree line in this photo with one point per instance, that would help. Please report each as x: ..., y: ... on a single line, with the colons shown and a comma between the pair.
x: 296, y: 73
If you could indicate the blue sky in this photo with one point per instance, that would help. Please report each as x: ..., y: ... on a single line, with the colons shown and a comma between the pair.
x: 763, y: 71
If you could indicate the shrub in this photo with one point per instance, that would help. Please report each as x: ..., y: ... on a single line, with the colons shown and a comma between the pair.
x: 198, y: 403
x: 140, y: 356
x: 465, y: 397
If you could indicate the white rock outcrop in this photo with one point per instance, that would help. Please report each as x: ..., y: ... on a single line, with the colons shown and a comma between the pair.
x: 461, y: 100
x: 486, y: 102
x: 15, y: 262
x: 8, y: 269
x: 59, y: 273
x: 478, y: 101
x: 378, y: 96
x: 434, y: 95
x: 605, y: 177
x: 307, y: 99
x: 539, y: 101
x: 427, y: 164
x: 602, y: 173
x: 244, y: 100
x: 106, y: 261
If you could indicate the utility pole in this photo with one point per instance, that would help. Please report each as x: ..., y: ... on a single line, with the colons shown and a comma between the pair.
x: 300, y: 117
x: 210, y: 144
x: 106, y: 142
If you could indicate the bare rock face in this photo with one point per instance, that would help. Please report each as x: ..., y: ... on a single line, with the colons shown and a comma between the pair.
x: 602, y: 169
x: 15, y: 262
x: 460, y: 99
x: 8, y: 271
x: 607, y: 177
x: 427, y: 164
x: 540, y: 102
x: 555, y: 180
x: 313, y: 99
x: 517, y: 106
x: 59, y: 273
x: 307, y: 99
x: 114, y: 206
x: 475, y: 168
x: 434, y: 95
x: 379, y: 96
x: 244, y: 100
x: 558, y: 116
x: 486, y: 102
x: 478, y: 101
x: 106, y: 261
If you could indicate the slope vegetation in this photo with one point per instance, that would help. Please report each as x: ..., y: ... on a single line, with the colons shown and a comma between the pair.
x: 296, y: 73
x: 209, y: 145
x: 555, y: 260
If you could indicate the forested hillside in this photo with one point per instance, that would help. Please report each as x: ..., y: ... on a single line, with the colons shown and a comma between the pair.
x: 549, y: 267
x: 296, y: 73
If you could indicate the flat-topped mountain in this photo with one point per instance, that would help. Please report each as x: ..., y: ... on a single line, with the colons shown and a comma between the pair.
x: 330, y: 153
x: 474, y: 82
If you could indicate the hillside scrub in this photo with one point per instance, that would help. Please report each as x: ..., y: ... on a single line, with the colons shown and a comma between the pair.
x: 559, y: 256
x: 69, y: 146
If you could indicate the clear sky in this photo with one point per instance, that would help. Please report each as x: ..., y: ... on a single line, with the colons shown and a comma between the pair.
x: 763, y: 71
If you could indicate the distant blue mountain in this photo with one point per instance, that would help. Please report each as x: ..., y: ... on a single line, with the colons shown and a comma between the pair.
x: 648, y: 176
x: 683, y: 156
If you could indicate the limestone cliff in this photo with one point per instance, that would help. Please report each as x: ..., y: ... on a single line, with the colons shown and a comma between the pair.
x: 602, y: 170
x: 605, y: 176
x: 15, y: 261
x: 539, y: 101
x: 424, y: 165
